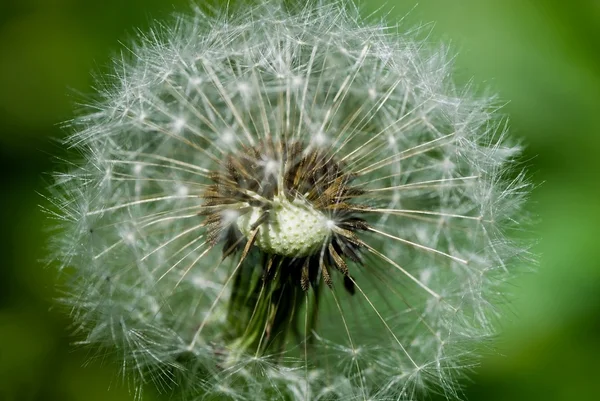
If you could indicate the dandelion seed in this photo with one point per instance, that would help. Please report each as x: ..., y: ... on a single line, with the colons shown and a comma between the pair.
x: 292, y: 204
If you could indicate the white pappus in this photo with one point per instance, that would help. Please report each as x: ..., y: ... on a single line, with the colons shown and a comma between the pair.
x: 288, y: 203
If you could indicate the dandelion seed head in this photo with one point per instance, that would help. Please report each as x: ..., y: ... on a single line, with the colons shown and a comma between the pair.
x: 182, y: 190
x: 319, y: 139
x: 289, y: 203
x: 137, y: 168
x: 178, y: 124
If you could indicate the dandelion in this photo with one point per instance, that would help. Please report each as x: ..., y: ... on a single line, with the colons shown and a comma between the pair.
x: 288, y: 203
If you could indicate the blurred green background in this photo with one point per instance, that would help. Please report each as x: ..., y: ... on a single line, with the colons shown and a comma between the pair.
x: 543, y: 56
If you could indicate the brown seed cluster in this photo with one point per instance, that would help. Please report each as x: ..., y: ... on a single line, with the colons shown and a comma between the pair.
x: 253, y: 177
